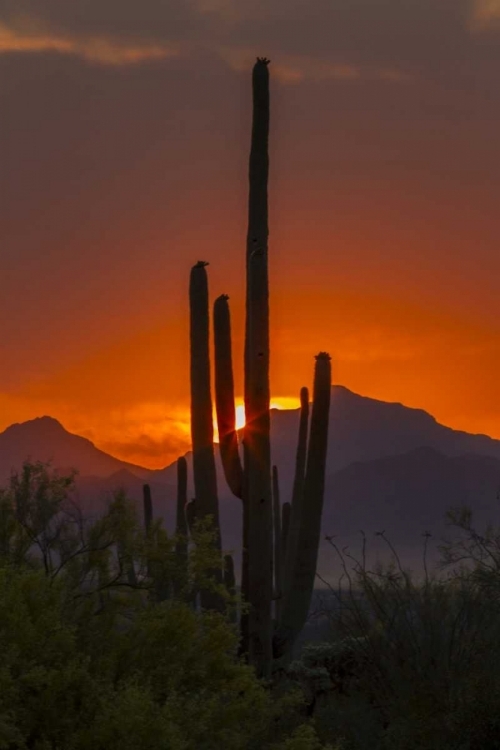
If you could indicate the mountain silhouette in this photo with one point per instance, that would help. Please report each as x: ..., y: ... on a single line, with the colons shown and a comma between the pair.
x: 390, y: 468
x: 364, y: 429
x: 45, y: 439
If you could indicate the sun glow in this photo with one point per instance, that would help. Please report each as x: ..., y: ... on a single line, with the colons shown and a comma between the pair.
x: 240, y: 416
x: 281, y: 402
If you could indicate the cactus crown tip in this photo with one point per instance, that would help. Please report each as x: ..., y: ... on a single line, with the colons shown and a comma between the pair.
x: 263, y: 60
x: 224, y: 297
x: 201, y: 264
x: 323, y: 355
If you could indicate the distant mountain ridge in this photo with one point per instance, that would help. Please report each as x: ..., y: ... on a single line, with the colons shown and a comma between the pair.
x: 389, y: 468
x: 361, y: 429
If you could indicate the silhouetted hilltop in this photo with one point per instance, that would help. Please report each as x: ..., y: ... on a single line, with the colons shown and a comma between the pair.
x: 44, y: 438
x: 363, y: 429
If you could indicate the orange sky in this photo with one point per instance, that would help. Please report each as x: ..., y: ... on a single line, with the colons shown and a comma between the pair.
x: 125, y: 144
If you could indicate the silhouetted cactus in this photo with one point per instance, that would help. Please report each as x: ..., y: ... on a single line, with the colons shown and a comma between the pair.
x: 296, y: 537
x: 277, y: 554
x: 202, y: 431
x: 181, y: 529
x: 297, y: 597
x: 298, y: 498
x: 254, y: 478
x: 285, y: 525
x: 256, y: 442
x: 224, y: 397
x: 148, y: 507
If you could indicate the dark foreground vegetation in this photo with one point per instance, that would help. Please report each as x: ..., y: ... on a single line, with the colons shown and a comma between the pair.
x: 104, y: 644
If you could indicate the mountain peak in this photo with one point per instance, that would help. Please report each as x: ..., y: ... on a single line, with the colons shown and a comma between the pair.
x: 37, y: 425
x: 46, y: 439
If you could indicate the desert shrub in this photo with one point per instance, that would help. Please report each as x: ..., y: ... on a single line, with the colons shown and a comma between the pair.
x: 410, y: 665
x: 92, y: 660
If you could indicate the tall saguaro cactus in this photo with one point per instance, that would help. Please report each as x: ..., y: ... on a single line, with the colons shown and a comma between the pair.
x: 256, y: 442
x: 202, y: 431
x: 296, y: 536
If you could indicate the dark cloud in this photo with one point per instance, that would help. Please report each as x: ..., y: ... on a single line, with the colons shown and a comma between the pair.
x: 154, y: 19
x: 415, y: 35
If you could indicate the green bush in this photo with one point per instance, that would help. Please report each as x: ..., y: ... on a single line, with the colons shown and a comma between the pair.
x: 92, y: 660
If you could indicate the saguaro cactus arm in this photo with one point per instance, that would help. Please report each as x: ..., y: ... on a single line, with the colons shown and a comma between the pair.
x: 224, y: 397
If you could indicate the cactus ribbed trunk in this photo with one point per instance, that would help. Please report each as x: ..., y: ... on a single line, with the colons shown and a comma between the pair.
x: 224, y: 397
x: 202, y: 431
x: 257, y: 449
x: 181, y: 530
x: 297, y: 600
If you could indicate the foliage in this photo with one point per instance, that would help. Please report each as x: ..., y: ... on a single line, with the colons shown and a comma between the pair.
x: 92, y: 659
x: 409, y: 666
x: 304, y: 738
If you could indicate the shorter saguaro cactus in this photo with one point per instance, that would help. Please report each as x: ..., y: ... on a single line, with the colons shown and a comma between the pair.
x: 181, y: 528
x: 148, y: 507
x: 202, y: 431
x: 301, y: 561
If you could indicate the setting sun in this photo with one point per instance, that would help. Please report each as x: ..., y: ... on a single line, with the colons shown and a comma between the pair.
x: 280, y: 402
x: 240, y: 416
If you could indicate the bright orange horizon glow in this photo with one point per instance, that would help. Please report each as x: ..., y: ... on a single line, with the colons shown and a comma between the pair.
x: 279, y: 402
x: 383, y: 228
